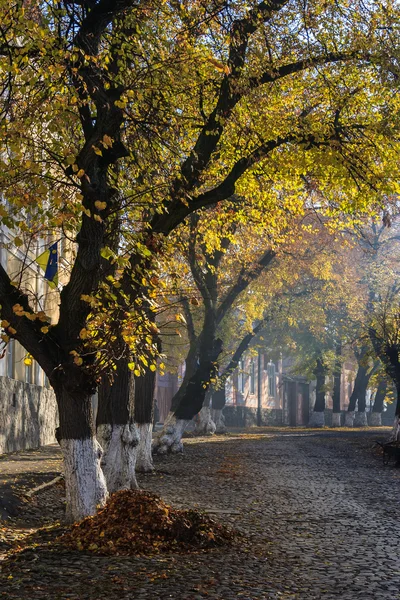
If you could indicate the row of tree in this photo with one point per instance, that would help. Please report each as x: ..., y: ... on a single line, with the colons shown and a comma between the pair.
x: 130, y: 128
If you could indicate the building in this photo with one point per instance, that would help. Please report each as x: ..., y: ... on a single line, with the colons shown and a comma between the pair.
x: 28, y: 409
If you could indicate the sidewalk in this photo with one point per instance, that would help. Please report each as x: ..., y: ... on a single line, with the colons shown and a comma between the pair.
x: 308, y: 504
x: 24, y: 470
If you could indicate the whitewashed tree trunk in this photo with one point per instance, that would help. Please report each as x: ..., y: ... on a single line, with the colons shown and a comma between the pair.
x: 219, y: 420
x: 85, y: 483
x: 317, y: 419
x: 375, y: 419
x: 360, y: 419
x: 336, y: 419
x: 169, y: 439
x: 144, y: 461
x: 204, y: 423
x: 349, y: 419
x: 119, y: 444
x: 395, y: 433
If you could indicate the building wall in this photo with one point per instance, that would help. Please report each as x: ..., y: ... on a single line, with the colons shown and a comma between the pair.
x: 28, y: 409
x: 28, y: 415
x: 243, y: 406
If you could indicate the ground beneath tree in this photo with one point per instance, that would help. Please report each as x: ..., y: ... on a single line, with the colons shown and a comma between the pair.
x: 319, y: 511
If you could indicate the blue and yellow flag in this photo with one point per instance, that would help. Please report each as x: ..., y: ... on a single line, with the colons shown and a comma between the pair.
x: 48, y: 261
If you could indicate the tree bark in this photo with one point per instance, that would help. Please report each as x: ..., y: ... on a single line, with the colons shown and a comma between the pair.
x: 204, y: 424
x: 116, y: 430
x: 358, y: 395
x: 218, y: 402
x: 85, y: 484
x: 144, y: 412
x: 317, y: 418
x: 337, y: 384
x: 170, y: 438
x: 377, y: 409
x: 395, y: 434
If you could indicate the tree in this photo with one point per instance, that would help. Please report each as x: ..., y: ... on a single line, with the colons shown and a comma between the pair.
x: 96, y: 100
x: 384, y: 333
x: 219, y: 292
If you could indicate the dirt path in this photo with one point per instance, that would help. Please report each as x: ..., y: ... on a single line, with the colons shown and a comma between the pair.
x: 320, y: 512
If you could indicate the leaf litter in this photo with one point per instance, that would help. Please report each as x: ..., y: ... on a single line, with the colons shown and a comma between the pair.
x: 137, y: 522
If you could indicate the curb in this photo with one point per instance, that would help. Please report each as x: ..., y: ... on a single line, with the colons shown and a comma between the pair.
x: 43, y: 486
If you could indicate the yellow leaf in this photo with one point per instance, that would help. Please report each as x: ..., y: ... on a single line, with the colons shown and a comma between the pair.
x: 18, y: 310
x: 27, y: 361
x: 97, y: 151
x: 44, y: 329
x: 12, y: 330
x: 100, y: 205
x: 83, y: 334
x: 107, y: 140
x: 80, y: 173
x: 78, y: 360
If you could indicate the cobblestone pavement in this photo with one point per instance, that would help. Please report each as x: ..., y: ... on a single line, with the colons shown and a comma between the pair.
x: 23, y: 470
x: 320, y: 512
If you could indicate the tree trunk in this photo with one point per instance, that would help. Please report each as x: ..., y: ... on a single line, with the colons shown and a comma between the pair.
x: 204, y: 424
x: 144, y: 412
x: 218, y: 403
x: 317, y: 418
x: 376, y: 414
x: 337, y: 384
x: 116, y: 430
x: 191, y: 363
x: 85, y: 484
x: 360, y: 419
x: 170, y: 438
x: 395, y: 434
x: 358, y: 395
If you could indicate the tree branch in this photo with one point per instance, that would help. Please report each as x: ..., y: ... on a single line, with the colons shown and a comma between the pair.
x: 246, y: 276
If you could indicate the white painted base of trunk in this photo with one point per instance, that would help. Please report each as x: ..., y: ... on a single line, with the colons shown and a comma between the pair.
x: 85, y: 484
x: 169, y: 439
x: 336, y: 420
x: 349, y: 419
x: 395, y: 434
x: 204, y: 423
x: 119, y: 444
x: 375, y: 419
x: 360, y: 419
x: 219, y: 420
x: 144, y: 460
x: 317, y: 419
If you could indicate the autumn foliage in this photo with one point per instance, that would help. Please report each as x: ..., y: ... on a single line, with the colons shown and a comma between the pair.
x: 139, y: 522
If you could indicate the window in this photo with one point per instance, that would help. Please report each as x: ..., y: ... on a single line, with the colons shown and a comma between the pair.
x: 271, y: 379
x: 29, y: 373
x: 11, y: 359
x: 252, y: 377
x: 241, y: 377
x: 38, y: 374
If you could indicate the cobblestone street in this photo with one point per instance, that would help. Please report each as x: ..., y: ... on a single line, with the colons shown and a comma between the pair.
x: 320, y: 511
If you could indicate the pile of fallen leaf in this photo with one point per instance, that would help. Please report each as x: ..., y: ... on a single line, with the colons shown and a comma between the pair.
x: 139, y: 522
